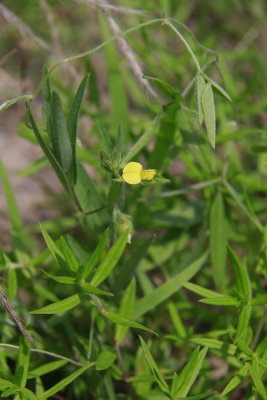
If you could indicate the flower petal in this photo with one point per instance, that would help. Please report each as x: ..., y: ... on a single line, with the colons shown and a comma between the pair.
x: 148, y: 174
x: 132, y: 173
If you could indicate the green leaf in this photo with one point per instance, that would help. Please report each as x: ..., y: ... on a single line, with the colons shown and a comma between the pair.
x: 154, y: 368
x: 63, y: 150
x: 242, y: 279
x: 262, y: 346
x: 236, y: 380
x: 23, y: 361
x: 66, y: 280
x: 89, y: 289
x: 208, y: 107
x: 55, y: 251
x: 150, y: 301
x: 220, y: 89
x: 49, y: 154
x: 69, y: 256
x: 97, y: 254
x: 8, y: 392
x: 60, y: 306
x: 200, y: 85
x: 12, y: 284
x: 209, y: 294
x: 245, y: 348
x: 4, y: 384
x: 72, y: 123
x: 224, y: 347
x: 121, y: 320
x: 126, y: 310
x: 64, y: 382
x: 165, y: 88
x: 221, y: 301
x: 218, y: 238
x: 27, y: 394
x: 110, y: 260
x: 190, y: 372
x: 46, y: 368
x: 259, y: 300
x: 255, y: 375
x: 243, y: 323
x: 176, y: 320
x: 143, y: 140
x: 105, y: 360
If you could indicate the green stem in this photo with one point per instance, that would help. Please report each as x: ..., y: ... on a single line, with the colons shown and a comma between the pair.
x: 185, y: 43
x: 47, y: 353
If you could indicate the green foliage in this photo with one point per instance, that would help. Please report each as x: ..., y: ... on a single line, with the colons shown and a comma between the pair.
x: 180, y: 260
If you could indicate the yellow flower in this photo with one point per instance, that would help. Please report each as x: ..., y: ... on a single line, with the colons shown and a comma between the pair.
x: 133, y: 174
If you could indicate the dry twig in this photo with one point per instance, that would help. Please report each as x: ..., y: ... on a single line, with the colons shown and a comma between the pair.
x: 14, y: 315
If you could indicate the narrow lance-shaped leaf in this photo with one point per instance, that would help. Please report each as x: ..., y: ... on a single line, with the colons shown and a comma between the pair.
x: 256, y: 377
x: 49, y: 154
x: 60, y: 306
x: 126, y: 310
x: 241, y: 276
x: 218, y: 237
x: 72, y: 124
x: 200, y: 85
x: 208, y: 107
x: 110, y: 261
x: 154, y: 368
x: 46, y: 368
x: 236, y: 380
x: 243, y: 323
x: 62, y: 139
x: 97, y: 254
x: 105, y: 360
x: 190, y: 372
x: 23, y: 362
x: 64, y: 382
x: 55, y: 251
x: 121, y: 320
x: 69, y: 256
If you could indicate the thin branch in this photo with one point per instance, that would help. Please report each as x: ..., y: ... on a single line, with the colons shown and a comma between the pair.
x: 111, y: 7
x: 47, y: 353
x: 14, y: 315
x: 24, y: 30
x: 7, y: 56
x: 124, y: 47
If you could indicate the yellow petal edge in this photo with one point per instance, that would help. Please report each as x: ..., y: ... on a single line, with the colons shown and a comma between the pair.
x: 132, y: 173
